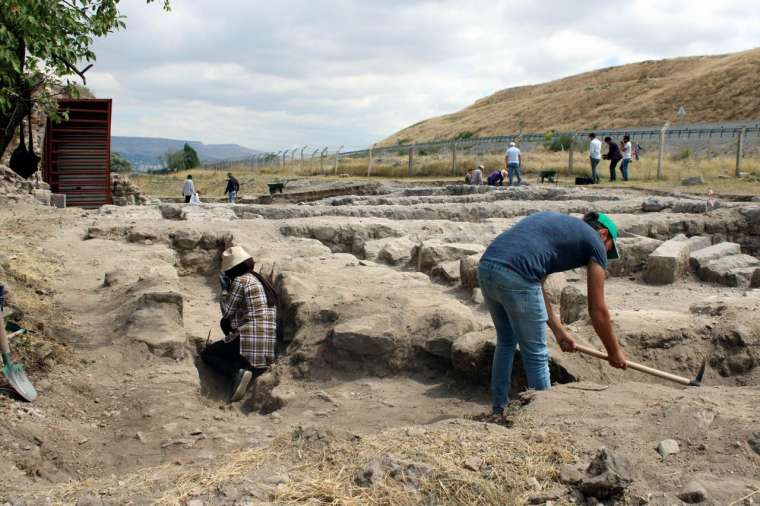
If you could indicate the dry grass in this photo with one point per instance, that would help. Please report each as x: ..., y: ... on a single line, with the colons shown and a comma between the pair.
x: 717, y: 171
x: 467, y: 462
x: 711, y: 88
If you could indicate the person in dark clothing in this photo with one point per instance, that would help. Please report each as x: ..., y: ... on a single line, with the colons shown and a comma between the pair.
x: 232, y: 188
x: 613, y: 155
x: 496, y: 178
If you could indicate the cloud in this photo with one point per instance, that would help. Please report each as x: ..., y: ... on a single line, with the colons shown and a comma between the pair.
x: 271, y: 75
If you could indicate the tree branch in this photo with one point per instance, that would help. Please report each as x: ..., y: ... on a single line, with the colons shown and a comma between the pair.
x: 75, y: 70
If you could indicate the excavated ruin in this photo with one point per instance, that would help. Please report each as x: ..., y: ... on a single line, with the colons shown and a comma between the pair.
x: 383, y: 326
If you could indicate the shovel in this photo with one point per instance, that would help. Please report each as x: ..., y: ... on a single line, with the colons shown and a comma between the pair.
x: 14, y: 372
x: 697, y: 381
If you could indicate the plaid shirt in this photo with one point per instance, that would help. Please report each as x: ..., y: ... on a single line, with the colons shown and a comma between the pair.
x: 245, y: 305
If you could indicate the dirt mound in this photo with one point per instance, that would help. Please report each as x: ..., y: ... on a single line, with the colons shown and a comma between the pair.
x: 655, y: 88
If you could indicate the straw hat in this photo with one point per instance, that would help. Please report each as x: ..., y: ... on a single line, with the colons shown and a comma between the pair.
x: 233, y: 256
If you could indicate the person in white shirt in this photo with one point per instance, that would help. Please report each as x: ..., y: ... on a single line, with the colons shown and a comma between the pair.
x: 627, y: 153
x: 188, y: 189
x: 595, y: 154
x: 512, y: 161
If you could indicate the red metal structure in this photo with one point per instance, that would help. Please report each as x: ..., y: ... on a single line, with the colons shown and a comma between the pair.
x: 77, y: 159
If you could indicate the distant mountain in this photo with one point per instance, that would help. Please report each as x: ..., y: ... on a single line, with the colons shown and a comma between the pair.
x: 145, y: 152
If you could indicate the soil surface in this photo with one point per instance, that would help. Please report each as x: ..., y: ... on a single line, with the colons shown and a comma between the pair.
x: 381, y: 386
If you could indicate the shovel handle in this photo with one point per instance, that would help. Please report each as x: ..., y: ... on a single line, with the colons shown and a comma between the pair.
x: 636, y: 366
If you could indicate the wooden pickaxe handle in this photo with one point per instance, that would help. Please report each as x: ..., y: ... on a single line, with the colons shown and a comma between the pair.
x: 638, y: 367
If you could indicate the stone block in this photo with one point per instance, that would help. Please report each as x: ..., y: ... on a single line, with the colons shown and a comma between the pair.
x: 58, y: 200
x: 706, y: 255
x: 633, y: 255
x: 573, y: 304
x: 446, y: 272
x: 755, y: 281
x: 42, y: 196
x: 430, y: 254
x: 693, y: 181
x: 696, y: 242
x: 472, y: 354
x: 667, y: 263
x: 468, y: 271
x: 732, y: 270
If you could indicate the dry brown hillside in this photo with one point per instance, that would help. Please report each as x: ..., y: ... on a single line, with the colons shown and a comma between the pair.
x: 711, y: 88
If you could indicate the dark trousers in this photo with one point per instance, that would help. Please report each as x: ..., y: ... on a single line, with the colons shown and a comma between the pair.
x: 187, y: 199
x: 613, y: 174
x: 225, y: 358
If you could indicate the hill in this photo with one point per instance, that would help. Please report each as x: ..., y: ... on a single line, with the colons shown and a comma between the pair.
x: 711, y: 89
x: 146, y: 151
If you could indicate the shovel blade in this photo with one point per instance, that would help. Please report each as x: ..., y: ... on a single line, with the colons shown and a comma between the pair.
x: 16, y: 376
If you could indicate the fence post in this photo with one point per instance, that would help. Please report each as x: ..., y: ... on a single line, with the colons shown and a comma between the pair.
x: 302, y: 156
x: 571, y: 149
x: 739, y: 151
x: 282, y: 160
x: 411, y: 159
x: 337, y: 159
x: 322, y: 161
x: 660, y: 171
x: 369, y: 166
x: 454, y: 158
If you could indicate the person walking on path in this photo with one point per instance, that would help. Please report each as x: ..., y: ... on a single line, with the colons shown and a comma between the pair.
x: 477, y: 176
x: 232, y: 188
x: 613, y: 155
x: 512, y: 272
x: 249, y: 322
x: 595, y: 155
x: 188, y: 189
x: 627, y: 154
x: 512, y: 161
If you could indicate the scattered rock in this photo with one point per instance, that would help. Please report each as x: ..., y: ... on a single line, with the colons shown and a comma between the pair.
x: 696, y: 242
x: 473, y: 464
x: 446, y: 272
x: 693, y: 492
x: 396, y: 251
x: 381, y: 468
x: 668, y: 447
x: 366, y: 336
x: 692, y: 181
x: 532, y: 484
x: 477, y: 296
x: 754, y: 442
x: 570, y: 474
x: 430, y: 254
x: 608, y: 475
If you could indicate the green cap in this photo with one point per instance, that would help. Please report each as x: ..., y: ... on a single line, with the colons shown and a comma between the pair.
x: 612, y: 228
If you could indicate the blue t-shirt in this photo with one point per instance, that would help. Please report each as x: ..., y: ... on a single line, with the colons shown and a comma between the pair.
x: 547, y: 242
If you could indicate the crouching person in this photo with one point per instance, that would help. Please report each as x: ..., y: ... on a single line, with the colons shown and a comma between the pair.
x: 249, y: 315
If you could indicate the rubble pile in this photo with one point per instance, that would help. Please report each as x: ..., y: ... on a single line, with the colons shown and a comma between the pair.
x: 15, y: 188
x: 125, y: 192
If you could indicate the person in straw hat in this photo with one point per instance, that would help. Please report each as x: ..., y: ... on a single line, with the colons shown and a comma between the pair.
x: 249, y: 322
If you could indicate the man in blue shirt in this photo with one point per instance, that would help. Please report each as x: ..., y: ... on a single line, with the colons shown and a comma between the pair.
x: 512, y: 271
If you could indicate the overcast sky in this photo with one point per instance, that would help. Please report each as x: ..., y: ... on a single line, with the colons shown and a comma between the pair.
x: 270, y: 75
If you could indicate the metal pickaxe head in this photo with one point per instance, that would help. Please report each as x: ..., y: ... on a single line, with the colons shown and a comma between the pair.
x: 697, y: 381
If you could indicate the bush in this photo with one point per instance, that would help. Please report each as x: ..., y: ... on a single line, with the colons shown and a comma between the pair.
x: 182, y: 159
x: 552, y: 142
x: 119, y: 164
x: 461, y: 136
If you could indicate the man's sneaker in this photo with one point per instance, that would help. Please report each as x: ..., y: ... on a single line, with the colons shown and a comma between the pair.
x: 242, y: 381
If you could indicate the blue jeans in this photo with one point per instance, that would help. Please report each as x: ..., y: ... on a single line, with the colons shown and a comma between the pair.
x: 594, y: 163
x: 514, y: 169
x: 231, y: 196
x: 624, y: 168
x: 519, y: 314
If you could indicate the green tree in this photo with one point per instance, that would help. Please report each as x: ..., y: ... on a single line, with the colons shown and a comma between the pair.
x: 42, y: 42
x: 119, y: 164
x: 190, y: 157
